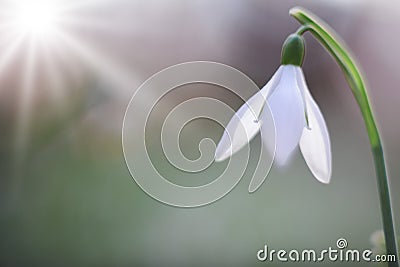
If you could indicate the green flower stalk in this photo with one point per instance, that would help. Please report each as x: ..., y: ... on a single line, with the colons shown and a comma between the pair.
x: 328, y: 38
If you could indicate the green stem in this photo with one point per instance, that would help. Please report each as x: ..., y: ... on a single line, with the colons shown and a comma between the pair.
x: 329, y: 39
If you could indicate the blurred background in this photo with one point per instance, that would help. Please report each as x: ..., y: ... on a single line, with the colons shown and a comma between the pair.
x: 67, y: 73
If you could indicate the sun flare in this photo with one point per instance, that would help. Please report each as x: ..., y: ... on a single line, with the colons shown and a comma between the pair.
x: 41, y: 42
x: 36, y: 19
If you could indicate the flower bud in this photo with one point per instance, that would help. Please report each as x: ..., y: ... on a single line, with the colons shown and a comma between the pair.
x: 293, y: 50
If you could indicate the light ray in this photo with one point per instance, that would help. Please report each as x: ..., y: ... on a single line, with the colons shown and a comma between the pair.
x: 24, y: 106
x: 56, y: 83
x: 96, y: 24
x: 74, y: 5
x: 67, y: 64
x: 124, y: 80
x: 9, y: 53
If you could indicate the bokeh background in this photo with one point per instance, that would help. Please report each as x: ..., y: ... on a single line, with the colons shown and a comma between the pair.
x: 66, y: 196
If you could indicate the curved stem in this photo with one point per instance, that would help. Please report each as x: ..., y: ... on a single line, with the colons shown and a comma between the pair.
x: 332, y: 43
x: 302, y: 30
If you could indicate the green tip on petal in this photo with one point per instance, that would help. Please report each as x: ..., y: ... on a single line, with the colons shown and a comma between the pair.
x: 293, y: 50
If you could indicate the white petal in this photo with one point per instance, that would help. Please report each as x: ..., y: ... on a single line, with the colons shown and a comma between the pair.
x: 244, y: 124
x: 314, y: 142
x: 287, y: 109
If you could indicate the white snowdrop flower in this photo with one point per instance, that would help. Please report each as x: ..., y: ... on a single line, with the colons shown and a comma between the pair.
x: 297, y: 118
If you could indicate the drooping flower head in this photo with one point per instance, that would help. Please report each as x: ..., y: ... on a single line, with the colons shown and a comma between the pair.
x: 297, y: 118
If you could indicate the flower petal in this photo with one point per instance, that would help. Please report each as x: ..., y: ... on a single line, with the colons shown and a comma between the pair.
x: 244, y: 125
x: 287, y: 109
x: 315, y: 144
